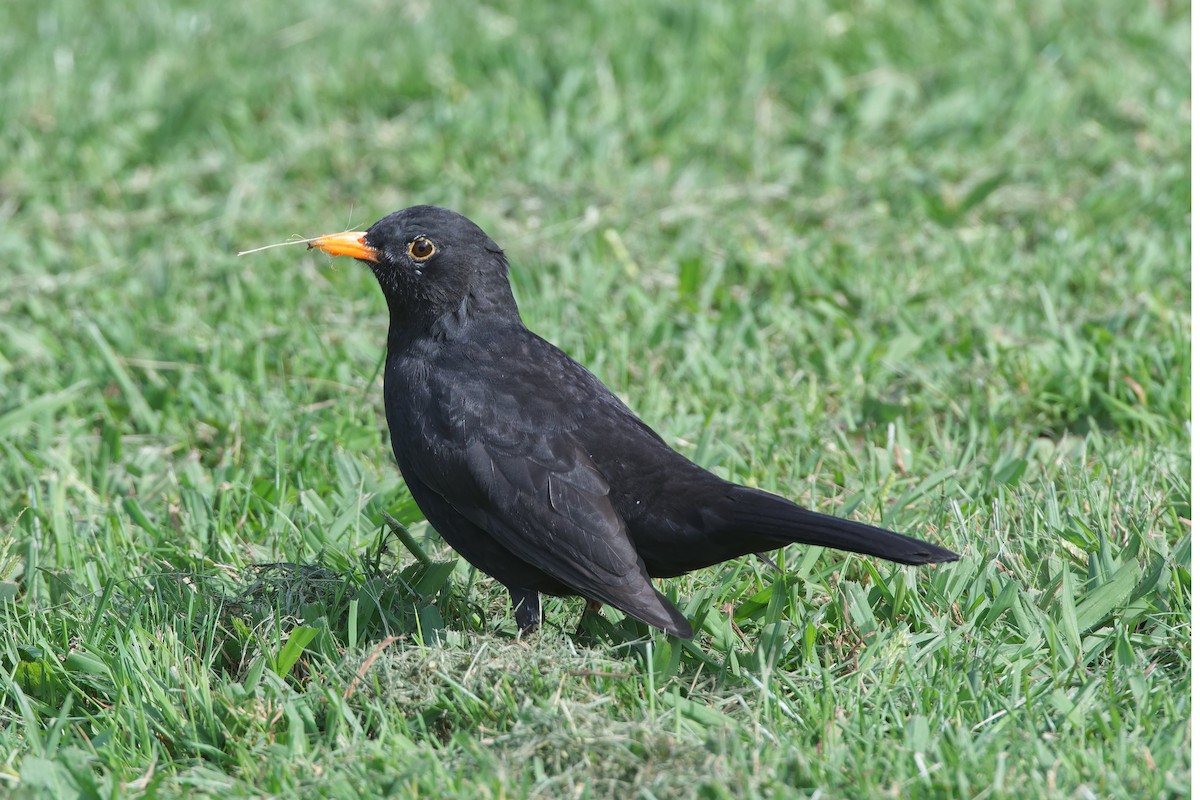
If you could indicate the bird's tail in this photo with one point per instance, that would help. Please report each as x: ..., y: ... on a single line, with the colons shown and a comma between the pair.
x: 779, y: 521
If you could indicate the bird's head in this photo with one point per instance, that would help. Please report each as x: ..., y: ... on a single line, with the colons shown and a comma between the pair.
x: 434, y: 266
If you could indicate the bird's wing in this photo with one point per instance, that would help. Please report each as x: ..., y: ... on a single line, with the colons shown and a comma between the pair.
x: 533, y: 487
x: 547, y: 503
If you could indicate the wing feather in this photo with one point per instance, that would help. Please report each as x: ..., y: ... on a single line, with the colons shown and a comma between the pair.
x: 508, y: 459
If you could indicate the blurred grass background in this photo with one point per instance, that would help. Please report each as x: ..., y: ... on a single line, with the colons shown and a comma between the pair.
x: 916, y: 262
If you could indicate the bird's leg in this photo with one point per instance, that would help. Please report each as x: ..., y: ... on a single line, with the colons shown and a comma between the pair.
x: 527, y: 607
x: 590, y: 607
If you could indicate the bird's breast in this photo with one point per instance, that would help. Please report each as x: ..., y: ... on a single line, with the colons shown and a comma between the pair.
x: 406, y: 392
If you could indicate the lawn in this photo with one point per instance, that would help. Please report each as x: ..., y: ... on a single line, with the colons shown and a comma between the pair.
x: 923, y: 264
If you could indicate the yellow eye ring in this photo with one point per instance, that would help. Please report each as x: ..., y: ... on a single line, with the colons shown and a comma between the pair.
x: 421, y: 248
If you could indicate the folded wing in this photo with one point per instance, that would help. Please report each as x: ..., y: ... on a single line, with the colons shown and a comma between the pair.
x: 541, y: 497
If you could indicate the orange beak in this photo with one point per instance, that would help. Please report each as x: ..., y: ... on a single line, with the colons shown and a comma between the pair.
x: 351, y: 243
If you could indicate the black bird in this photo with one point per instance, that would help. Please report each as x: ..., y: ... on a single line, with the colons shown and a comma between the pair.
x: 529, y: 466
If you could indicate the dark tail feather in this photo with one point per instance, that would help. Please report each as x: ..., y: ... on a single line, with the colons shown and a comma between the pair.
x: 781, y: 521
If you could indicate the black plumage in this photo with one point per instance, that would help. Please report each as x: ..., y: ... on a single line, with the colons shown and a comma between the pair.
x: 529, y: 466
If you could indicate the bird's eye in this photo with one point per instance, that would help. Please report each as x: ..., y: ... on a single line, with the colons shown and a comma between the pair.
x: 421, y: 248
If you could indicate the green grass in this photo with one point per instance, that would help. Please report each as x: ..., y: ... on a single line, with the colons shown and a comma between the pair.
x: 919, y: 263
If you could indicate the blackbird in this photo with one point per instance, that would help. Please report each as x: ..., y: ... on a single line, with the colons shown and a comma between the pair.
x: 528, y: 466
